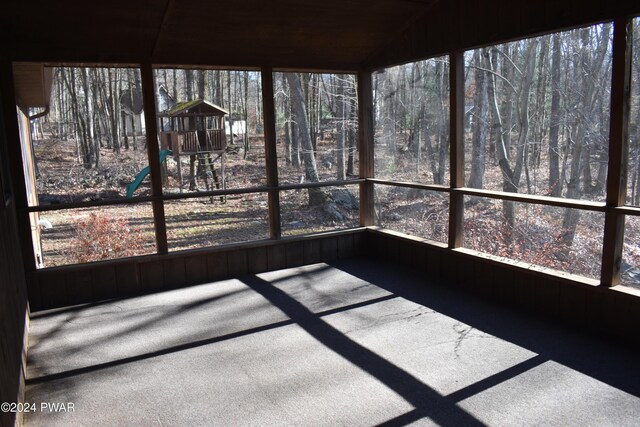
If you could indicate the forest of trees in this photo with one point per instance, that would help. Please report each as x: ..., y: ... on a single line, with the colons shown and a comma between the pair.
x: 411, y: 104
x: 313, y: 107
x: 99, y: 109
x: 91, y: 106
x: 317, y: 115
x: 536, y: 122
x: 94, y: 106
x: 539, y: 109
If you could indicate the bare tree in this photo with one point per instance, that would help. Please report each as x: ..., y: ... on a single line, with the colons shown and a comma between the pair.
x: 479, y: 138
x: 555, y: 184
x: 316, y: 195
x: 591, y: 61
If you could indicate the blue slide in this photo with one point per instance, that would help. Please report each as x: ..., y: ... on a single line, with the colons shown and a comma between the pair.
x: 131, y: 188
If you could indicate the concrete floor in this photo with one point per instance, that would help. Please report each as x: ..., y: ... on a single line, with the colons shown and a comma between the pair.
x: 352, y: 343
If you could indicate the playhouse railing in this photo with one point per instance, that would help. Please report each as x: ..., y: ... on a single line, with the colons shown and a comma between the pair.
x: 217, y: 138
x: 196, y: 141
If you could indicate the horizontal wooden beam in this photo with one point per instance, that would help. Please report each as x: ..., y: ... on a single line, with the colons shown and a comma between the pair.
x: 181, y: 196
x: 407, y: 184
x: 320, y: 184
x: 530, y: 198
x: 516, y: 197
x: 91, y: 204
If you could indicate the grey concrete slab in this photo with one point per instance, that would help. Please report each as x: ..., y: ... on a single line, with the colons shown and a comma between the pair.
x: 352, y: 343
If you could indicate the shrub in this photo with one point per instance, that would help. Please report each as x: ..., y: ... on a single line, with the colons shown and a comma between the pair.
x: 102, y: 236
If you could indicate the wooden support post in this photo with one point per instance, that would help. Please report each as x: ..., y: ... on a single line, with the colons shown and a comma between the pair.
x: 365, y: 147
x: 618, y: 151
x: 176, y: 155
x: 269, y: 111
x: 456, y: 148
x: 12, y: 139
x: 153, y: 154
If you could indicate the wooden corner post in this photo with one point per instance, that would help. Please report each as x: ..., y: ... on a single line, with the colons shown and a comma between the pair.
x: 456, y: 148
x: 618, y: 151
x: 153, y: 153
x: 365, y: 147
x: 269, y: 111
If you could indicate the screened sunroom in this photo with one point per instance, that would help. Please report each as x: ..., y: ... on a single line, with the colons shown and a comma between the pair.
x: 344, y: 213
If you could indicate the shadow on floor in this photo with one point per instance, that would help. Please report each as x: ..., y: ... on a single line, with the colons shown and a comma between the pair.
x: 597, y: 357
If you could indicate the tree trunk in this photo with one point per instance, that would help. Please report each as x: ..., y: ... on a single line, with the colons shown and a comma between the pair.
x: 287, y: 141
x: 245, y: 115
x: 124, y: 127
x: 114, y: 107
x: 175, y: 83
x: 316, y: 195
x: 219, y: 99
x: 388, y: 120
x: 309, y: 91
x: 555, y: 184
x: 442, y: 138
x: 340, y: 130
x: 538, y: 120
x: 188, y: 85
x: 352, y: 120
x: 523, y: 111
x: 479, y: 137
x: 508, y: 72
x: 94, y: 153
x: 200, y: 83
x: 590, y: 68
x: 69, y: 77
x: 231, y: 141
x: 134, y: 83
x: 193, y: 185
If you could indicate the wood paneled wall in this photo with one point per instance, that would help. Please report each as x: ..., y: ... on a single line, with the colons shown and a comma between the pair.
x: 14, y: 311
x: 607, y: 311
x: 611, y: 311
x: 13, y: 316
x: 64, y: 286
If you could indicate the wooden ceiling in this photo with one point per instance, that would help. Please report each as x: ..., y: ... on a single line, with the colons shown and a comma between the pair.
x: 327, y: 34
x: 330, y: 35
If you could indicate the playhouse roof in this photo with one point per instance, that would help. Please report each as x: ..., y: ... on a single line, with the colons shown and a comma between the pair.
x: 196, y: 107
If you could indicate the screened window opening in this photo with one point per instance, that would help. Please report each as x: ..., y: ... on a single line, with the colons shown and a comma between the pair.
x: 210, y: 129
x: 535, y: 234
x: 76, y: 236
x: 633, y: 179
x: 411, y: 133
x: 537, y: 114
x: 92, y: 143
x: 413, y: 211
x: 202, y: 222
x: 316, y: 125
x: 337, y: 209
